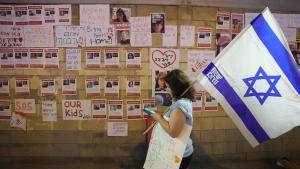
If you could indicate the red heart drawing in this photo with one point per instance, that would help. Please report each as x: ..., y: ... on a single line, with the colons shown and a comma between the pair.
x: 163, y: 59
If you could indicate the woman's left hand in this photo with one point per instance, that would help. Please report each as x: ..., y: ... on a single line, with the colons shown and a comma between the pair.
x: 157, y: 116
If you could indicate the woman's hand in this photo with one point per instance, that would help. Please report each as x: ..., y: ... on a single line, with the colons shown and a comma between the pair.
x: 157, y: 116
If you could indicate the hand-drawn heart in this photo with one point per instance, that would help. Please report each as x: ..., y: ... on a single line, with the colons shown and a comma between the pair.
x: 163, y: 59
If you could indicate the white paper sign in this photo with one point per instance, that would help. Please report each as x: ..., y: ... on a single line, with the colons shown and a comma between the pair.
x: 73, y: 59
x: 140, y: 31
x: 100, y: 35
x: 133, y: 87
x: 4, y: 87
x: 95, y: 14
x: 204, y: 37
x: 39, y: 36
x: 187, y: 36
x: 115, y: 109
x: 48, y: 87
x: 52, y: 58
x: 21, y: 58
x: 69, y: 86
x: 112, y: 86
x: 6, y: 17
x: 111, y: 58
x: 92, y: 86
x: 5, y: 110
x: 21, y: 15
x: 70, y: 36
x: 76, y: 109
x: 25, y: 105
x: 170, y: 36
x: 134, y: 111
x: 197, y: 101
x: 64, y: 16
x: 117, y: 129
x: 12, y: 36
x: 99, y: 110
x: 49, y: 111
x: 35, y: 14
x: 92, y: 58
x: 7, y: 58
x: 36, y: 58
x: 223, y: 20
x: 22, y: 86
x: 210, y: 103
x: 133, y: 59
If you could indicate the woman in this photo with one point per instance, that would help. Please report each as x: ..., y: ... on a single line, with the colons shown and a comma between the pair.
x: 180, y: 112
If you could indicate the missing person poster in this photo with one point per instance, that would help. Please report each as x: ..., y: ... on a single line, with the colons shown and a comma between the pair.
x: 4, y: 87
x: 5, y: 110
x: 69, y: 86
x: 133, y: 87
x: 48, y: 86
x: 111, y: 58
x: 99, y: 109
x: 237, y: 22
x: 64, y: 16
x: 35, y: 14
x: 21, y: 15
x: 115, y: 109
x: 210, y: 103
x: 133, y: 58
x: 112, y: 86
x: 134, y: 111
x: 223, y: 20
x: 21, y: 58
x: 92, y: 58
x: 204, y: 37
x: 49, y: 112
x: 6, y: 15
x: 157, y: 22
x: 7, y: 58
x: 37, y: 58
x: 76, y: 109
x: 197, y: 102
x: 148, y: 103
x: 51, y: 58
x: 22, y: 86
x: 92, y: 86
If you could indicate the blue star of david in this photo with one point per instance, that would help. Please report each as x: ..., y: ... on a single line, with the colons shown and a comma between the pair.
x: 261, y: 96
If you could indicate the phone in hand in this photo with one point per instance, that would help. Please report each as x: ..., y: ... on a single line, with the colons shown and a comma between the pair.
x: 149, y: 111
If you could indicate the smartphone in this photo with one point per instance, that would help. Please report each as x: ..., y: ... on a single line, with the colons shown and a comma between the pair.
x: 149, y: 111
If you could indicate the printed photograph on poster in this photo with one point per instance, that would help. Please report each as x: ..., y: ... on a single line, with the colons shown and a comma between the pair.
x: 111, y: 58
x: 49, y: 112
x: 100, y: 35
x: 69, y: 86
x: 50, y: 14
x: 111, y: 87
x: 223, y: 20
x: 133, y: 59
x: 22, y: 86
x: 115, y: 109
x: 7, y: 58
x: 134, y: 111
x: 117, y: 129
x: 51, y: 58
x: 48, y: 87
x: 170, y: 36
x: 12, y: 36
x: 148, y: 103
x: 120, y: 15
x: 140, y: 28
x: 76, y: 109
x: 197, y: 101
x: 187, y: 36
x: 5, y: 110
x: 70, y: 36
x: 36, y: 58
x: 160, y: 85
x: 210, y: 103
x: 92, y: 58
x: 204, y: 37
x: 6, y: 15
x: 21, y: 15
x: 157, y: 23
x: 133, y: 87
x: 21, y: 58
x: 4, y: 87
x: 237, y: 22
x: 92, y: 86
x: 64, y: 14
x: 18, y: 120
x: 123, y: 37
x: 222, y: 40
x: 94, y: 14
x: 73, y: 59
x: 99, y: 110
x: 35, y: 14
x: 25, y: 105
x: 39, y: 36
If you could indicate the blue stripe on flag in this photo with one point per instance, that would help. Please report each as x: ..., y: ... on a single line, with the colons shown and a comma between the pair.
x: 277, y: 50
x: 221, y: 84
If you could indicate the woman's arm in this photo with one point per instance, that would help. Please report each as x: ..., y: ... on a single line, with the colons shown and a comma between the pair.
x: 176, y: 123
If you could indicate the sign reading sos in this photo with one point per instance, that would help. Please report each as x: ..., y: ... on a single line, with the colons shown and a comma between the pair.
x: 25, y: 105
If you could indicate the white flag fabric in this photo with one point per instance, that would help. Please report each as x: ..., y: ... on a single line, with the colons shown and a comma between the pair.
x: 257, y: 81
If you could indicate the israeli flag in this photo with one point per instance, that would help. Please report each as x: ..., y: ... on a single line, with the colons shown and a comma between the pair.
x: 257, y: 81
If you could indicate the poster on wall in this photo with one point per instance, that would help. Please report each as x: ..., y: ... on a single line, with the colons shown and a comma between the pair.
x: 21, y: 58
x: 123, y: 34
x: 73, y: 59
x: 204, y: 37
x: 111, y: 58
x: 95, y: 14
x: 50, y: 14
x: 133, y: 58
x: 140, y: 31
x: 134, y: 111
x: 133, y: 87
x: 158, y: 22
x: 69, y: 86
x: 237, y: 22
x: 249, y: 17
x: 25, y: 105
x: 51, y: 58
x: 197, y: 101
x: 5, y: 110
x: 69, y: 36
x: 7, y: 58
x: 223, y: 20
x: 100, y: 35
x: 48, y: 86
x: 170, y: 36
x: 223, y: 38
x: 35, y: 14
x: 111, y: 86
x: 18, y: 120
x: 148, y: 103
x: 39, y: 36
x: 12, y: 36
x: 37, y: 58
x: 120, y: 15
x: 99, y: 110
x: 6, y: 15
x: 92, y: 86
x: 22, y: 86
x: 4, y: 87
x: 210, y: 103
x: 187, y: 36
x: 76, y: 109
x: 115, y: 109
x: 21, y: 15
x: 117, y: 129
x: 92, y: 58
x: 64, y: 14
x: 49, y: 112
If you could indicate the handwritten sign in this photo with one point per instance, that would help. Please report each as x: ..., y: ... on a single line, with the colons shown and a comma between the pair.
x: 39, y: 36
x: 76, y: 109
x: 70, y: 36
x: 170, y: 36
x: 187, y: 35
x: 140, y: 31
x: 49, y: 111
x: 94, y: 14
x: 117, y: 129
x: 164, y: 58
x: 73, y: 59
x: 25, y: 105
x: 100, y: 35
x: 12, y: 36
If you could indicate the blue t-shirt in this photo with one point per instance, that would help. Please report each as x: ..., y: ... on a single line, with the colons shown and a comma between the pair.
x: 186, y: 107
